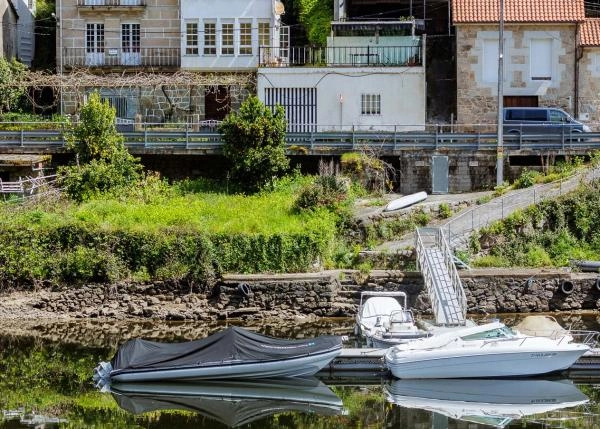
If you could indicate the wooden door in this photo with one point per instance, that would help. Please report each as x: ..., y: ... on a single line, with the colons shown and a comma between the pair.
x: 520, y: 101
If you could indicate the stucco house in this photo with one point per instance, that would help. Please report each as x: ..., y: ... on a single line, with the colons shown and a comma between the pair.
x: 540, y: 55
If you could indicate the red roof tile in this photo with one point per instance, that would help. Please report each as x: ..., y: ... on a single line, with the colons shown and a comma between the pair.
x: 589, y: 32
x: 482, y: 11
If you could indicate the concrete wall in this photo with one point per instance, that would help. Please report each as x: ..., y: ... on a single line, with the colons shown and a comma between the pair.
x: 232, y: 11
x: 477, y: 98
x: 339, y: 91
x: 589, y: 86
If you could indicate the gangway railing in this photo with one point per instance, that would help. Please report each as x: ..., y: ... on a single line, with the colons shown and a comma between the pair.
x: 442, y: 282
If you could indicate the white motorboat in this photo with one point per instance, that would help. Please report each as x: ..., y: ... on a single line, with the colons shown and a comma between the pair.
x: 232, y: 353
x: 490, y: 350
x: 384, y: 319
x: 494, y: 402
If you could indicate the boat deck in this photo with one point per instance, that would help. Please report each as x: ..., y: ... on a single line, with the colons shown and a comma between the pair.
x: 369, y: 361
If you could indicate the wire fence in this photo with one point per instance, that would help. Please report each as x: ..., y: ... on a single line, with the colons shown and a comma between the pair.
x: 459, y: 229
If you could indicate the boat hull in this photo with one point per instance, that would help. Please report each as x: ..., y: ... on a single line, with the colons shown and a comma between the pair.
x: 296, y: 367
x: 466, y: 364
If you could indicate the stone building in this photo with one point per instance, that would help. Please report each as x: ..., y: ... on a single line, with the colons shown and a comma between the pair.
x: 540, y: 49
x: 589, y: 71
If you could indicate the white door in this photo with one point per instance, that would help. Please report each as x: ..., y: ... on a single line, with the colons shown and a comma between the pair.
x: 130, y: 45
x: 94, y: 45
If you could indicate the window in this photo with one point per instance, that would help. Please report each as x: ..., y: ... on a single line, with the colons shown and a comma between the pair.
x: 558, y: 116
x: 210, y: 38
x: 94, y: 38
x: 370, y: 104
x: 490, y: 61
x: 541, y: 59
x: 227, y: 39
x: 264, y: 34
x: 130, y: 37
x: 191, y: 38
x: 245, y: 38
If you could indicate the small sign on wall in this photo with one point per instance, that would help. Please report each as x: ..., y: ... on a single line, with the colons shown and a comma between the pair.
x: 113, y: 52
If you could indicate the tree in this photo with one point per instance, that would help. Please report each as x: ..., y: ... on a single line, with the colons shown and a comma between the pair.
x: 316, y: 16
x: 254, y: 143
x: 103, y: 162
x: 12, y: 89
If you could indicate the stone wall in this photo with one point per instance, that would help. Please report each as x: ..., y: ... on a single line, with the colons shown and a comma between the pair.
x: 328, y: 294
x: 477, y: 98
x: 589, y: 85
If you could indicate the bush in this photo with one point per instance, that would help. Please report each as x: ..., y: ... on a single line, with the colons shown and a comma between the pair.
x: 325, y: 191
x: 316, y: 16
x: 364, y: 169
x: 491, y: 261
x: 444, y: 211
x: 527, y: 179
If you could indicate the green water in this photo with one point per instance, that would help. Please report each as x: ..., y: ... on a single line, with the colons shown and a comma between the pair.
x: 46, y: 367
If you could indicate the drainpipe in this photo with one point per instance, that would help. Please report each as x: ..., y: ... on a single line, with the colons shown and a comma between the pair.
x: 578, y: 56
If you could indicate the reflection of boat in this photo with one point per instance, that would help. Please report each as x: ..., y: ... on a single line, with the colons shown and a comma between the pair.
x: 490, y: 350
x: 385, y: 321
x: 232, y: 353
x: 232, y: 403
x: 492, y: 402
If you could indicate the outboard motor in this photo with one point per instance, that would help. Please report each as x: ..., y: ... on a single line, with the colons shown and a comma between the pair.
x: 102, y: 375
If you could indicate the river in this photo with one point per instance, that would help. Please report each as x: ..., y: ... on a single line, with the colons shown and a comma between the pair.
x: 46, y: 368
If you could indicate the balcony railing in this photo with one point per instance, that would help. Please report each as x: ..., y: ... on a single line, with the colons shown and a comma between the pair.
x: 341, y: 56
x: 117, y: 57
x: 111, y: 3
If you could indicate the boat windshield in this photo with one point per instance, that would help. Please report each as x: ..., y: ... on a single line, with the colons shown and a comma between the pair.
x: 504, y: 332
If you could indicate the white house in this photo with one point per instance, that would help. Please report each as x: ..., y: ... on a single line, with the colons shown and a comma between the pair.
x: 371, y: 76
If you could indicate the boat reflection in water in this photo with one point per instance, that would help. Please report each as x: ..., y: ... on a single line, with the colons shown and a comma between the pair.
x: 494, y: 402
x: 232, y: 403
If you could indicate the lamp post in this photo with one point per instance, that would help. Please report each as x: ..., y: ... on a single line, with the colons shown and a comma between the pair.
x: 500, y: 145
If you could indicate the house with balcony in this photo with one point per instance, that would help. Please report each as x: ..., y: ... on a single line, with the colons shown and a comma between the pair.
x: 119, y: 36
x: 370, y: 76
x: 223, y: 38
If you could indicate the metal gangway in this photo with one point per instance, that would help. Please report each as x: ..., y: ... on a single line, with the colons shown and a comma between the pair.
x: 436, y: 263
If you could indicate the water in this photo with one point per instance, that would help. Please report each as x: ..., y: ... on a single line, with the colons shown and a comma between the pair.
x: 45, y: 379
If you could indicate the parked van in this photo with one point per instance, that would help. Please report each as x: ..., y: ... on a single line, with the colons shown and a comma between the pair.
x: 540, y: 120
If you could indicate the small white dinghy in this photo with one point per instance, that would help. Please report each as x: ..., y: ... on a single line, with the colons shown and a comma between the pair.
x: 484, y: 351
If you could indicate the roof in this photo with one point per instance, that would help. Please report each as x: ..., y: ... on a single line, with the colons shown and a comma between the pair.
x: 589, y: 32
x: 518, y: 11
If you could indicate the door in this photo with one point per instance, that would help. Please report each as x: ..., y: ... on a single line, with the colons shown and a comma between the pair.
x: 439, y: 173
x: 130, y: 45
x: 521, y: 101
x: 94, y: 45
x: 216, y: 103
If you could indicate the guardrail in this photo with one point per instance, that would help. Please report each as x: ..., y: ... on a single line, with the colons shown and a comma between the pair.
x: 186, y: 136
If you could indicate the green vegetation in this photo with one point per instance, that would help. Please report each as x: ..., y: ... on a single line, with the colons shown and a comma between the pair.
x: 12, y: 84
x: 444, y: 211
x: 15, y: 121
x: 254, y: 143
x: 316, y: 16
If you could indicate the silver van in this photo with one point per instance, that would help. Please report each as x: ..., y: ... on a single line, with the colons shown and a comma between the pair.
x: 540, y: 120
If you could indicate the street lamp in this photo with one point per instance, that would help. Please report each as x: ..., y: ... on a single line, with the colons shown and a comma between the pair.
x: 500, y: 146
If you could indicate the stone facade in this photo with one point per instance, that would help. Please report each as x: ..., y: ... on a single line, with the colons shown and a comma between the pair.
x: 477, y: 98
x: 589, y: 85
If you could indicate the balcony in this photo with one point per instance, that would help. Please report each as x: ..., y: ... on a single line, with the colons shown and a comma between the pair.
x: 121, y: 58
x: 341, y: 56
x: 111, y: 4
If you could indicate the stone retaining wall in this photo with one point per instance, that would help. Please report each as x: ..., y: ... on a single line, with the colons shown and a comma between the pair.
x: 329, y: 294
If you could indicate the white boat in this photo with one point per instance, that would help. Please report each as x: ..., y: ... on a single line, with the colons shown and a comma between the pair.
x: 232, y: 353
x: 384, y: 319
x: 233, y: 403
x: 494, y: 402
x: 490, y: 350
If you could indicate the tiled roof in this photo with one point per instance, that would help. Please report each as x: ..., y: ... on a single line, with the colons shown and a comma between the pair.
x: 589, y: 32
x: 480, y: 11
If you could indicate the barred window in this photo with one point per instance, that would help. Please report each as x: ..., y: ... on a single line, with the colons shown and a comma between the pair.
x: 371, y: 104
x: 227, y: 39
x: 264, y: 34
x: 245, y: 38
x: 210, y: 38
x: 191, y: 38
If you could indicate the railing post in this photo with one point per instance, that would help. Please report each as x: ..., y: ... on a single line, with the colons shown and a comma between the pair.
x: 353, y: 140
x: 395, y: 136
x: 187, y: 137
x: 22, y: 131
x: 436, y: 136
x: 145, y: 135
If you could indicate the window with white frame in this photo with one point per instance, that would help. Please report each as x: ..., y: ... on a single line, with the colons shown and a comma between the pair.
x: 245, y: 38
x: 191, y: 38
x: 490, y: 61
x: 540, y: 56
x: 210, y: 38
x: 264, y: 34
x: 370, y: 104
x: 227, y: 39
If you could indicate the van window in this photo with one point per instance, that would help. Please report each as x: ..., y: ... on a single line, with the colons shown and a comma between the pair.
x: 526, y: 115
x: 558, y: 116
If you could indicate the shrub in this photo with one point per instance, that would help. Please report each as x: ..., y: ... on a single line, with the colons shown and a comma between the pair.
x: 364, y: 169
x: 444, y: 211
x: 537, y: 256
x: 12, y: 83
x: 325, y: 191
x: 527, y: 179
x: 491, y: 261
x: 316, y: 16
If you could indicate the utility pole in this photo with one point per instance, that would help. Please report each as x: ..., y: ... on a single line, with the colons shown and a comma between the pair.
x: 500, y: 145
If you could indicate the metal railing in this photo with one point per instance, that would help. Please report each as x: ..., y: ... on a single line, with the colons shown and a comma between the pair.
x: 459, y: 229
x: 340, y: 56
x: 110, y: 3
x: 128, y: 57
x: 428, y: 238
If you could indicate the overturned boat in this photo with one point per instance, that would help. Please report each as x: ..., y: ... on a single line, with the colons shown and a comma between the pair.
x: 233, y: 353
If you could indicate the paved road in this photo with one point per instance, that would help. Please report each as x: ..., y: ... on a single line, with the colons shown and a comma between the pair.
x: 460, y: 226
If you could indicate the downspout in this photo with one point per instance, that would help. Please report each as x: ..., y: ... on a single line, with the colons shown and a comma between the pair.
x: 578, y: 56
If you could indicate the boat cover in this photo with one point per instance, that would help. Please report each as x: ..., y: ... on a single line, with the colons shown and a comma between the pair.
x: 232, y: 345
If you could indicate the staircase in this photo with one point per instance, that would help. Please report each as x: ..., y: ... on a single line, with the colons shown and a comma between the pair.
x: 435, y: 260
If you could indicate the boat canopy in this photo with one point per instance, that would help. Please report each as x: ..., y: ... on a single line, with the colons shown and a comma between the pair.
x: 231, y: 346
